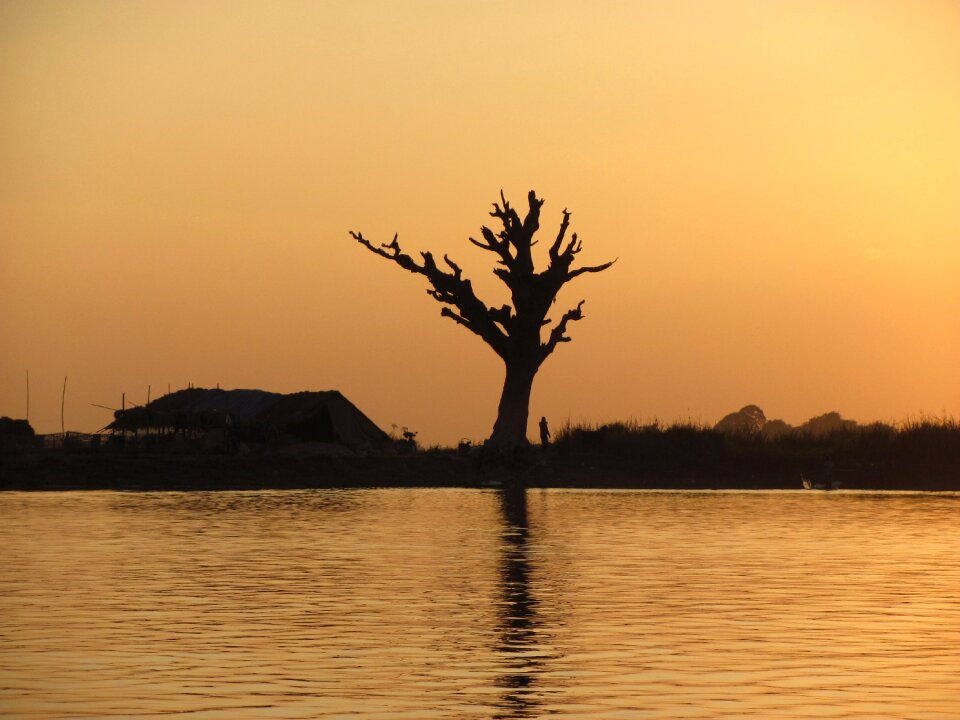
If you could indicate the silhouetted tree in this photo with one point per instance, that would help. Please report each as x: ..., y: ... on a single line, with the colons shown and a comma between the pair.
x: 827, y: 424
x: 775, y: 429
x: 514, y: 332
x: 746, y: 421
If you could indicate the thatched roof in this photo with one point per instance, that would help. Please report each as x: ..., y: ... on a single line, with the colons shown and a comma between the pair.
x: 295, y: 412
x: 196, y: 407
x: 326, y: 416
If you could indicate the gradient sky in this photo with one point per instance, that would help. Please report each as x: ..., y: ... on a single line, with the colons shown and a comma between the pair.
x: 780, y: 180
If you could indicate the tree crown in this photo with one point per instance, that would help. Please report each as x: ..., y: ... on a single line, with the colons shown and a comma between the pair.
x: 510, y: 329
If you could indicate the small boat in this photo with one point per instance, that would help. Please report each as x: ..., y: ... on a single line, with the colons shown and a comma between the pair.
x: 809, y: 484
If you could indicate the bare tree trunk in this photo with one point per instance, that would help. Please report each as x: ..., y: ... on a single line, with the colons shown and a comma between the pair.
x: 510, y: 429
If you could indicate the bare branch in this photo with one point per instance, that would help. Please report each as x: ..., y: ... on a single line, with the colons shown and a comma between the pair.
x: 500, y: 247
x: 516, y: 233
x: 449, y: 288
x: 504, y: 316
x: 555, y: 248
x: 590, y: 269
x: 506, y: 214
x: 395, y: 245
x: 459, y: 319
x: 573, y: 247
x: 404, y: 261
x: 560, y: 261
x: 483, y: 246
x: 457, y: 272
x: 441, y: 296
x: 428, y: 262
x: 558, y: 334
x: 531, y: 223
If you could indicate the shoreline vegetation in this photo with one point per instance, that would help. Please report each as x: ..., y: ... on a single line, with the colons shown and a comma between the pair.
x: 920, y: 455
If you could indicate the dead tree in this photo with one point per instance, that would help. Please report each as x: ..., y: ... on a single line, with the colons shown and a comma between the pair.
x: 519, y: 334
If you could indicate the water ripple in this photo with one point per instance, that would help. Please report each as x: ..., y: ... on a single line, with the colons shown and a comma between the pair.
x: 474, y: 604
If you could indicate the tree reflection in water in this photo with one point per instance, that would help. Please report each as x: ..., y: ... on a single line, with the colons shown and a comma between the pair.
x: 518, y: 643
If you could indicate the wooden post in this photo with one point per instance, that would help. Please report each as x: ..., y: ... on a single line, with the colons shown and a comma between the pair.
x: 63, y: 400
x: 148, y: 394
x: 28, y: 396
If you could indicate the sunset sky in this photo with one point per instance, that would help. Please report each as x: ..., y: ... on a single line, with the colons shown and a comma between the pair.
x: 779, y: 180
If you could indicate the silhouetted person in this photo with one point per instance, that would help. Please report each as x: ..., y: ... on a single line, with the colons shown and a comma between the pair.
x: 544, y: 432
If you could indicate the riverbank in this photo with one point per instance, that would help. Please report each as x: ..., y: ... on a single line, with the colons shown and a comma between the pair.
x: 49, y: 470
x: 106, y: 470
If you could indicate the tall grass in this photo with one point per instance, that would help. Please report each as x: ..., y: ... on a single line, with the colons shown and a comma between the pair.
x: 926, y: 450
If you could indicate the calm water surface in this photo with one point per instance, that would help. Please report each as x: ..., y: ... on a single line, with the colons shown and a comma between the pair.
x: 471, y: 604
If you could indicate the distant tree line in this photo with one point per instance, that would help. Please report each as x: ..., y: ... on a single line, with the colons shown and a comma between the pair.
x: 752, y: 420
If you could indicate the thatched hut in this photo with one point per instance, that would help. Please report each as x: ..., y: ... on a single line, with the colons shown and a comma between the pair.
x: 256, y: 415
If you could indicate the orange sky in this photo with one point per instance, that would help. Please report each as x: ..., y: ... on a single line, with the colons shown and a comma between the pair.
x: 780, y: 180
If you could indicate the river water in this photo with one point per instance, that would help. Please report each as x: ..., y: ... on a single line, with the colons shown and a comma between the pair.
x: 421, y: 604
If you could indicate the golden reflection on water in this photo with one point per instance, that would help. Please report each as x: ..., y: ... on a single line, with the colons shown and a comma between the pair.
x: 480, y: 604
